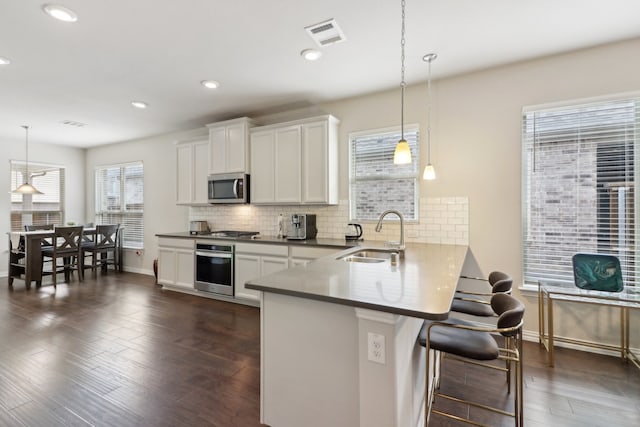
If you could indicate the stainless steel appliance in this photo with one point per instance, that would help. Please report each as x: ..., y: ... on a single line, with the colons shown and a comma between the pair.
x: 214, y: 268
x: 228, y: 188
x: 302, y: 226
x: 199, y: 227
x: 353, y: 232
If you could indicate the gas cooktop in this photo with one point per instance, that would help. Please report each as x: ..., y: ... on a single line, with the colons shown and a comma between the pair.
x: 233, y: 233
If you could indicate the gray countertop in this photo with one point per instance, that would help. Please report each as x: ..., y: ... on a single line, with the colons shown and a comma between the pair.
x: 337, y: 243
x: 421, y: 285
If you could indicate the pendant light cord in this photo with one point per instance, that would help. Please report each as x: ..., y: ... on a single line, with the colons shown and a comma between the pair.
x: 26, y: 128
x: 402, y: 82
x: 429, y: 113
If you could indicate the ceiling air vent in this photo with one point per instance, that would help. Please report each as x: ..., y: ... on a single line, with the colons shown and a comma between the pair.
x: 72, y: 123
x: 326, y: 33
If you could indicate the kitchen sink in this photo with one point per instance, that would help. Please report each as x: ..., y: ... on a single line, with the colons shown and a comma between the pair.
x: 355, y: 258
x: 370, y: 256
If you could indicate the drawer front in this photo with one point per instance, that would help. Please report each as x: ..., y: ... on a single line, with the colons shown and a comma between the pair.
x: 262, y: 249
x: 175, y: 243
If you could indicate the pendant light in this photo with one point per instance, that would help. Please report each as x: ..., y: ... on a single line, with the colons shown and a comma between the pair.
x: 402, y: 153
x: 27, y: 188
x: 429, y: 171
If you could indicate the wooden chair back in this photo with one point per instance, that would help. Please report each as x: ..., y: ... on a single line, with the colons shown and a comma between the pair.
x: 67, y: 240
x: 106, y: 236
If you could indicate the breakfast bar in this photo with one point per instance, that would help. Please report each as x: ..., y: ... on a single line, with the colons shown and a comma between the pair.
x: 338, y: 336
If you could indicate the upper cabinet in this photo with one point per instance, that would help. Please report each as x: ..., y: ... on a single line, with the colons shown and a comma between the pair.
x: 192, y: 168
x: 295, y: 162
x: 229, y: 146
x: 320, y: 161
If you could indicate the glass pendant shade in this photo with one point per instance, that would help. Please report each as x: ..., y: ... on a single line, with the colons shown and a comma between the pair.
x: 429, y: 173
x: 27, y: 188
x: 402, y: 153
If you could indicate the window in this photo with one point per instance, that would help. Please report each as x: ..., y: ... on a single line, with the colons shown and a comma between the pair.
x: 47, y: 208
x: 579, y: 178
x: 375, y: 183
x: 120, y: 200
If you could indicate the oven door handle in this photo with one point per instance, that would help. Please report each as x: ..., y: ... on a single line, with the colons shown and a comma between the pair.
x: 213, y: 254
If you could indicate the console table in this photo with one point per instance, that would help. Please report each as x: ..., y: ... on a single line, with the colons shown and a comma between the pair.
x: 548, y: 292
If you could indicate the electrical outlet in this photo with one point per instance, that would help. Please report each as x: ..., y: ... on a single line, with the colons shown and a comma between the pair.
x: 376, y: 348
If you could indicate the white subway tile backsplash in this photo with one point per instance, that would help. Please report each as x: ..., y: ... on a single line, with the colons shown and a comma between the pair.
x: 439, y: 218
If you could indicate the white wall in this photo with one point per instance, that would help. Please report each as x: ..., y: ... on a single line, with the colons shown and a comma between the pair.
x: 161, y: 214
x: 73, y: 161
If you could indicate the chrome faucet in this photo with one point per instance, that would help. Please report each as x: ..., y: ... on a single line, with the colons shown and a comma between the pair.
x: 397, y: 245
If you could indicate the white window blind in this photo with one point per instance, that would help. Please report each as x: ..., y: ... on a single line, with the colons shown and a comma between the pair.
x: 579, y: 177
x: 375, y: 182
x: 120, y: 200
x: 47, y: 208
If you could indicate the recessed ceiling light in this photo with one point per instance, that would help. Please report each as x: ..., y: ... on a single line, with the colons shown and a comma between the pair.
x: 210, y: 84
x: 139, y: 104
x: 311, y: 54
x: 60, y: 12
x: 4, y: 61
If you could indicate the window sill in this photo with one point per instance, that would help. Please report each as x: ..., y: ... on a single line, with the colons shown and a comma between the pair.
x: 527, y: 289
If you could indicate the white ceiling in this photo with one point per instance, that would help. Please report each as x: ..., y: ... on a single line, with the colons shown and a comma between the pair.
x: 158, y: 51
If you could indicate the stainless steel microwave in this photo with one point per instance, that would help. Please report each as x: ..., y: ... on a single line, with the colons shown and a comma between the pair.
x: 229, y: 188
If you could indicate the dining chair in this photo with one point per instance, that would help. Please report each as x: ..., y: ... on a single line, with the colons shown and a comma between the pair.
x: 104, y: 243
x: 66, y: 245
x: 44, y: 242
x: 476, y: 303
x: 476, y: 345
x: 38, y: 227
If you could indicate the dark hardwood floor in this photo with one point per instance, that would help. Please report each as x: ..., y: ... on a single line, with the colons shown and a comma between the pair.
x: 119, y: 351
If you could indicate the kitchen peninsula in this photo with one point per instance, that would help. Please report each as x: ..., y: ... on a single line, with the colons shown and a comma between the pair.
x: 338, y: 339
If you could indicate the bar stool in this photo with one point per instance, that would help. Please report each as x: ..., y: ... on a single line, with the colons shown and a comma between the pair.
x: 66, y: 245
x: 471, y: 302
x: 476, y: 344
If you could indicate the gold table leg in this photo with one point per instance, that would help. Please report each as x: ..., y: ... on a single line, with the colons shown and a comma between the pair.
x: 550, y: 330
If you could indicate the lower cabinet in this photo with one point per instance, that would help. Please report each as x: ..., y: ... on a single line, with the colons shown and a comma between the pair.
x: 255, y: 260
x: 176, y: 262
x: 176, y: 258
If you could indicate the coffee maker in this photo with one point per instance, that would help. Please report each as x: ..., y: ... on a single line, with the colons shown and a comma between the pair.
x: 301, y: 227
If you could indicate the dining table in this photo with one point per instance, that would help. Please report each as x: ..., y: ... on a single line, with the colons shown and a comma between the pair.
x: 25, y: 253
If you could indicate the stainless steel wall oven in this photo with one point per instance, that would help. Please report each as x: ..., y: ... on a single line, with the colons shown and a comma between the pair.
x: 214, y: 268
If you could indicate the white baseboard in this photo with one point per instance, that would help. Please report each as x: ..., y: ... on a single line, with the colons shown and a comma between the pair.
x: 144, y: 271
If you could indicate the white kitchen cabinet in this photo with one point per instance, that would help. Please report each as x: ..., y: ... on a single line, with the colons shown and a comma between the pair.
x: 295, y: 162
x: 255, y: 260
x: 176, y: 262
x: 229, y: 146
x: 287, y: 182
x: 192, y: 169
x: 302, y: 255
x: 262, y: 167
x: 320, y: 161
